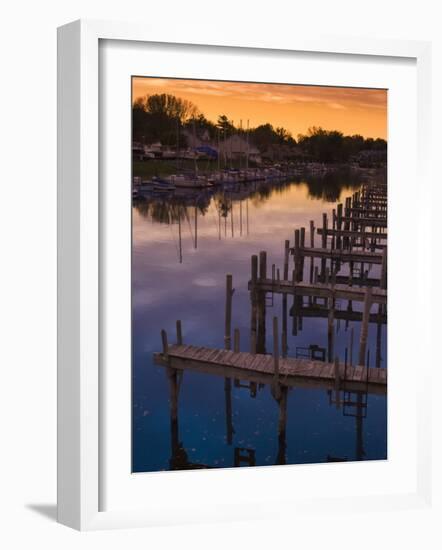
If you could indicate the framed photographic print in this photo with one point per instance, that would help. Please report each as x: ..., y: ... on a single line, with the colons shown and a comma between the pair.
x: 231, y: 279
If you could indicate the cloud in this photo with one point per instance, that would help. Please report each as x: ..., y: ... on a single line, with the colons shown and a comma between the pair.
x: 332, y: 97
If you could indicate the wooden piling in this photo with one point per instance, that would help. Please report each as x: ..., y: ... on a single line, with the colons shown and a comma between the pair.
x: 301, y: 260
x: 228, y: 409
x: 254, y: 268
x: 364, y: 326
x: 263, y: 264
x: 282, y: 425
x: 253, y: 343
x: 312, y: 245
x: 165, y: 343
x: 254, y: 304
x: 275, y: 349
x: 339, y: 226
x: 296, y: 254
x: 312, y: 234
x: 179, y: 334
x: 324, y: 242
x: 383, y: 283
x: 351, y: 345
x: 236, y: 340
x: 330, y: 328
x: 286, y: 259
x: 228, y: 312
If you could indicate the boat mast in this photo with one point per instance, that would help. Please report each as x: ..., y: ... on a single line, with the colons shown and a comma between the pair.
x: 196, y: 227
x: 194, y: 146
x: 177, y: 143
x: 240, y: 143
x: 219, y: 152
x: 179, y: 236
x: 247, y: 154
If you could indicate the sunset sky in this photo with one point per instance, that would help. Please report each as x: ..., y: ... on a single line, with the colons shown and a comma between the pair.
x: 296, y: 108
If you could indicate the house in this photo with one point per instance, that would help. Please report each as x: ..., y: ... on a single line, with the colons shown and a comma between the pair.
x: 236, y: 146
x: 194, y: 139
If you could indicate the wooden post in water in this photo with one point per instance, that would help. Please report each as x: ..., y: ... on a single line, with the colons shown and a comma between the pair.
x: 196, y: 227
x: 236, y: 340
x: 275, y: 349
x: 261, y: 305
x: 330, y: 328
x: 383, y: 283
x: 227, y: 345
x: 378, y: 339
x: 312, y: 245
x: 228, y: 312
x: 282, y: 425
x: 324, y: 242
x: 253, y: 299
x: 294, y: 306
x: 334, y: 224
x: 179, y: 334
x: 364, y: 326
x: 254, y: 264
x: 324, y: 231
x: 276, y: 387
x: 263, y: 265
x: 347, y: 216
x: 286, y: 259
x: 327, y: 275
x: 165, y: 344
x: 339, y: 226
x: 302, y: 246
x: 296, y: 254
x: 284, y: 345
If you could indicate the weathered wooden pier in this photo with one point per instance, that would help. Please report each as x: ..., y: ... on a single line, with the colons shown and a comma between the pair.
x: 292, y: 372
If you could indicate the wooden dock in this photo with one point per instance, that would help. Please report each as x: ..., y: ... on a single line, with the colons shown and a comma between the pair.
x: 345, y: 256
x: 261, y: 368
x: 348, y: 233
x: 323, y: 312
x: 337, y: 291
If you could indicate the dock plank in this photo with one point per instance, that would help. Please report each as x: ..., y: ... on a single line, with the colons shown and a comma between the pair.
x: 248, y: 366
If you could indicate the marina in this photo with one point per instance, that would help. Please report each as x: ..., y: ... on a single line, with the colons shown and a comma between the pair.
x: 259, y: 280
x: 332, y: 283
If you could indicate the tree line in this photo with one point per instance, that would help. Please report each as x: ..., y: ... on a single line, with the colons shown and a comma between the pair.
x: 163, y: 117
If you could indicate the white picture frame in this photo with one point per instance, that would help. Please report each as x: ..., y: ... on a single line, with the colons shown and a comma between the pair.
x: 79, y: 322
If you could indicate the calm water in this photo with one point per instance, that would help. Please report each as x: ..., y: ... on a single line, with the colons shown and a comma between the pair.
x: 179, y: 269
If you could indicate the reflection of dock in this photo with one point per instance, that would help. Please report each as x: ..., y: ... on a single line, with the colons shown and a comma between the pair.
x: 260, y: 368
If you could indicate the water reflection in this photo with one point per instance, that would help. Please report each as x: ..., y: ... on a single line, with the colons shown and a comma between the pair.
x: 172, y: 207
x: 204, y: 420
x: 353, y: 404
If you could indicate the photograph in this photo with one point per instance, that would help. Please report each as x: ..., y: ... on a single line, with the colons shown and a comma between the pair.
x: 258, y: 275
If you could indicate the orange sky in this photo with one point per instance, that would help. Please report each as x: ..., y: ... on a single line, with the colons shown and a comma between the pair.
x: 296, y: 108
